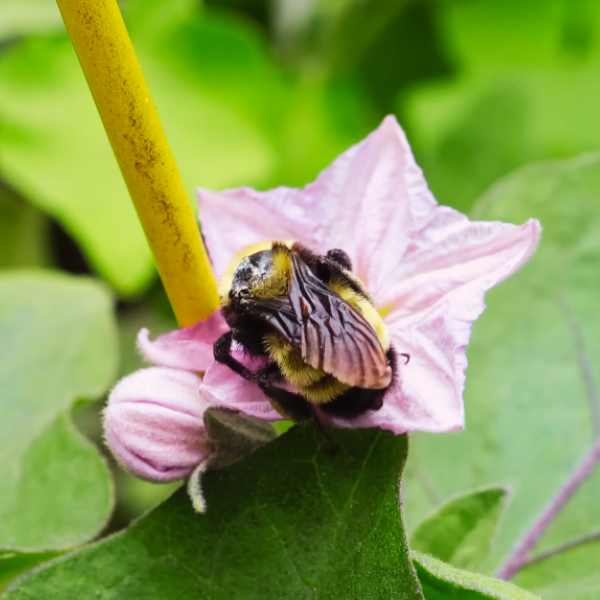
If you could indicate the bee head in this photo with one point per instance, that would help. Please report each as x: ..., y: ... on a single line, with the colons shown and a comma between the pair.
x: 250, y: 274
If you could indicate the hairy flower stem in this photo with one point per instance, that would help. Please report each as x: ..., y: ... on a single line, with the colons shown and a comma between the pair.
x: 519, y: 558
x: 132, y: 125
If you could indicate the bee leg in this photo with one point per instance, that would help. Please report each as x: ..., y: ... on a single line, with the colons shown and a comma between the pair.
x: 222, y: 352
x: 355, y: 402
x: 293, y: 405
x: 321, y: 420
x: 289, y: 404
x: 269, y: 375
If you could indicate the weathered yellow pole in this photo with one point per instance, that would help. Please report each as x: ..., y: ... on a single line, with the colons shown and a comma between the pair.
x: 131, y: 122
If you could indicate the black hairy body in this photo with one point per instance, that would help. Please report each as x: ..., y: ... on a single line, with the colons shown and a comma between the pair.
x: 315, y: 326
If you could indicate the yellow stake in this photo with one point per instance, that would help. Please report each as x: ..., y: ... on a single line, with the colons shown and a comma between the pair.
x: 140, y: 146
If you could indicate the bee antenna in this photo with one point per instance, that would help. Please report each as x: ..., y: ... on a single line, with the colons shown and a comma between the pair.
x: 406, y: 356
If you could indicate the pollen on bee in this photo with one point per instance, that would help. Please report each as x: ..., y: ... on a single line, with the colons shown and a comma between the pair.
x: 277, y: 281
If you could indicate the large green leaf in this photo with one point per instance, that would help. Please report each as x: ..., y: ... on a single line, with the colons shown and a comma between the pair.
x: 23, y: 232
x: 303, y: 517
x: 483, y: 134
x: 461, y: 531
x: 209, y: 77
x: 525, y: 89
x: 322, y: 119
x: 232, y: 117
x: 533, y: 356
x: 59, y: 345
x: 64, y: 164
x: 22, y: 17
x: 13, y: 564
x: 572, y: 574
x: 441, y: 581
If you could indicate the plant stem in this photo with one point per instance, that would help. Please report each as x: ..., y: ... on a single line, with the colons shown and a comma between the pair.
x: 132, y: 125
x: 582, y: 360
x: 518, y: 558
x: 584, y: 539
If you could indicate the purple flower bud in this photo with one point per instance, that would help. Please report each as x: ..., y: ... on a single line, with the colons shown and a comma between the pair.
x: 154, y: 423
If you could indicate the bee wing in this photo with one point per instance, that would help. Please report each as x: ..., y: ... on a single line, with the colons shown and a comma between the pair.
x: 333, y: 336
x: 330, y: 334
x: 279, y: 313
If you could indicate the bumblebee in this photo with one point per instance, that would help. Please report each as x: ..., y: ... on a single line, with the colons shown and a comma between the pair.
x: 324, y: 346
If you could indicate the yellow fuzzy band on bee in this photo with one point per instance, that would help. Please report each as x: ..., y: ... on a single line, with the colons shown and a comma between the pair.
x: 363, y: 306
x: 325, y: 390
x: 289, y: 359
x: 315, y: 385
x: 227, y: 277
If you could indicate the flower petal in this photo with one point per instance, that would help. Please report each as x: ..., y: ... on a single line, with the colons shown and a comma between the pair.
x: 366, y: 202
x: 189, y: 348
x: 223, y: 387
x: 428, y: 267
x: 154, y: 424
x: 432, y: 322
x: 369, y: 201
x: 451, y: 253
x: 427, y: 395
x: 235, y: 219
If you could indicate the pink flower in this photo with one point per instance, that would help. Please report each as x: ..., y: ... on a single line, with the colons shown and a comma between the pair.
x: 427, y: 267
x: 154, y: 424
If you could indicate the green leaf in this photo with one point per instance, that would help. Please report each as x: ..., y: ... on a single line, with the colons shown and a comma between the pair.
x: 231, y: 114
x: 461, y: 531
x: 64, y: 164
x: 302, y: 517
x: 23, y: 17
x: 441, y: 581
x: 321, y: 120
x: 209, y: 77
x: 215, y: 87
x: 524, y: 90
x: 59, y: 343
x: 23, y: 233
x: 533, y: 356
x: 13, y: 564
x: 362, y: 39
x: 571, y: 574
x: 472, y: 147
x: 234, y: 435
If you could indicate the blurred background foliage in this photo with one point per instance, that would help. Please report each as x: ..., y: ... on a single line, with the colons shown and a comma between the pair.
x: 268, y: 92
x: 264, y: 93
